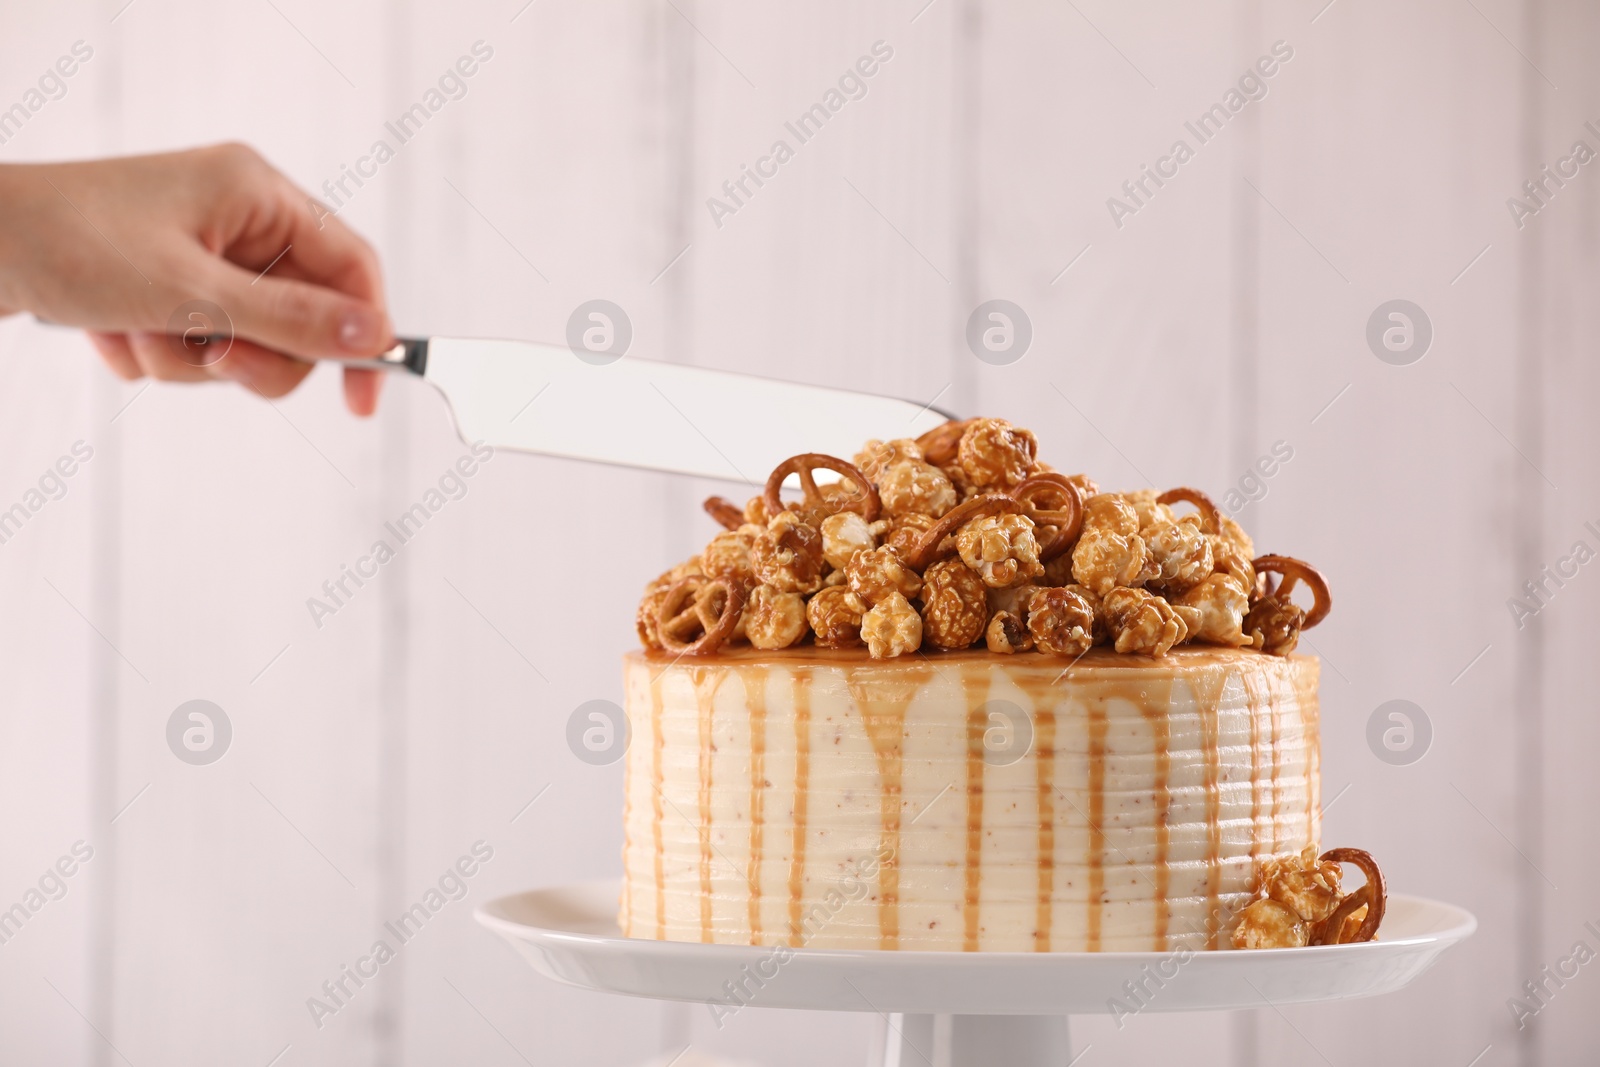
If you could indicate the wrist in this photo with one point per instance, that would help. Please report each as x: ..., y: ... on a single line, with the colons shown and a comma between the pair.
x: 12, y: 276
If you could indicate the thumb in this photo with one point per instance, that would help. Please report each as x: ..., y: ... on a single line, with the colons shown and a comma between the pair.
x: 298, y: 318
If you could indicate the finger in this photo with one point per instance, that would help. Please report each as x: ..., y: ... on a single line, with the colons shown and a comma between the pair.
x: 361, y: 388
x: 154, y: 354
x: 299, y: 318
x: 271, y: 374
x: 323, y: 249
x: 115, y: 351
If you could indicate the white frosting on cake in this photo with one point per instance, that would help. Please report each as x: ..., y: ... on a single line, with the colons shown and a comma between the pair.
x: 822, y: 799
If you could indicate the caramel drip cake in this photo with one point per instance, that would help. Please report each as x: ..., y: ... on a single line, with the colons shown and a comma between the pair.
x: 958, y: 701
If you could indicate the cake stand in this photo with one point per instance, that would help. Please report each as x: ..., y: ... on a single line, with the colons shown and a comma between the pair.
x: 961, y: 1009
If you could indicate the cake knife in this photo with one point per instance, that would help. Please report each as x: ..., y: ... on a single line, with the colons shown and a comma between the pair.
x: 555, y: 400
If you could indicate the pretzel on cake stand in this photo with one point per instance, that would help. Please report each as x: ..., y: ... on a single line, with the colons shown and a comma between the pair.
x: 1374, y: 896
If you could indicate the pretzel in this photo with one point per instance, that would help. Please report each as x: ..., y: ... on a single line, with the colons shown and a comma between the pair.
x: 1067, y: 520
x: 1293, y: 571
x: 724, y: 511
x: 931, y: 548
x: 1375, y: 895
x: 939, y: 444
x: 807, y: 462
x: 689, y: 605
x: 1208, y: 510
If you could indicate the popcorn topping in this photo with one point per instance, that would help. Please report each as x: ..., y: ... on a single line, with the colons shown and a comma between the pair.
x: 963, y: 536
x: 1299, y: 902
x: 773, y: 619
x: 788, y: 554
x: 1001, y: 548
x: 843, y: 535
x: 891, y: 628
x: 955, y: 605
x: 835, y: 617
x: 1061, y: 622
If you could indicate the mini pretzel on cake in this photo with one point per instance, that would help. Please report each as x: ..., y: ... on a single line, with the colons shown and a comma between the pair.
x: 962, y: 538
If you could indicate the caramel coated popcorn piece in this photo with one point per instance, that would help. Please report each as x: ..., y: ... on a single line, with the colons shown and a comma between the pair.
x: 1218, y: 606
x: 912, y: 486
x: 1142, y: 623
x: 955, y: 604
x: 774, y: 619
x: 1308, y: 886
x: 1234, y: 534
x: 1149, y: 510
x: 963, y: 486
x: 1007, y: 633
x: 1269, y: 924
x: 728, y: 554
x: 1105, y: 559
x: 903, y: 532
x: 835, y: 617
x: 1061, y: 621
x: 995, y: 454
x: 1110, y: 511
x: 891, y: 628
x: 876, y: 455
x: 755, y: 511
x: 1177, y: 555
x: 1057, y: 571
x: 1001, y: 548
x: 878, y: 573
x: 843, y: 535
x: 788, y: 554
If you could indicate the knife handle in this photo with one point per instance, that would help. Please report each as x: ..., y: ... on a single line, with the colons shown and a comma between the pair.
x: 408, y: 353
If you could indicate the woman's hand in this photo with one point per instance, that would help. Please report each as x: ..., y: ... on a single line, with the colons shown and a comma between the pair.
x: 121, y: 246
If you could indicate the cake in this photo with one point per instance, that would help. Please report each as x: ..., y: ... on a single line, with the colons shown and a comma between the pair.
x: 958, y: 701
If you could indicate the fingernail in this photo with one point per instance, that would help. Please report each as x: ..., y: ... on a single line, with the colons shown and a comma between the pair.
x: 359, y: 330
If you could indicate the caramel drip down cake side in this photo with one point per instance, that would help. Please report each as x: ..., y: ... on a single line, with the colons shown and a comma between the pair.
x: 814, y: 798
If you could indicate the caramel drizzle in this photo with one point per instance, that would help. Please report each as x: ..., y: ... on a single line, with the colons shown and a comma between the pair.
x: 755, y: 696
x: 884, y: 717
x: 1097, y: 806
x: 1161, y: 735
x: 706, y: 699
x: 658, y: 744
x: 1305, y: 684
x: 802, y: 778
x: 1253, y: 707
x: 977, y: 689
x: 1277, y: 762
x: 1208, y: 687
x: 1044, y: 735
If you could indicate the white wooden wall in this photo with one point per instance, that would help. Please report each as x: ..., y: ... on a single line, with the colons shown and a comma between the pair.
x: 1226, y: 315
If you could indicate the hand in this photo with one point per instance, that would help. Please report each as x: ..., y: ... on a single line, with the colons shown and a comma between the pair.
x: 117, y: 246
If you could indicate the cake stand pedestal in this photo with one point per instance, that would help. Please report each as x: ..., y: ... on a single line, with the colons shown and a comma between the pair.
x: 960, y: 1009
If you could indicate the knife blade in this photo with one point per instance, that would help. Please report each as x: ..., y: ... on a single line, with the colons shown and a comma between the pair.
x: 632, y: 412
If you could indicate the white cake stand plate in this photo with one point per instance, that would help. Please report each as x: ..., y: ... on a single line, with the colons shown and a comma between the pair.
x: 961, y: 1009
